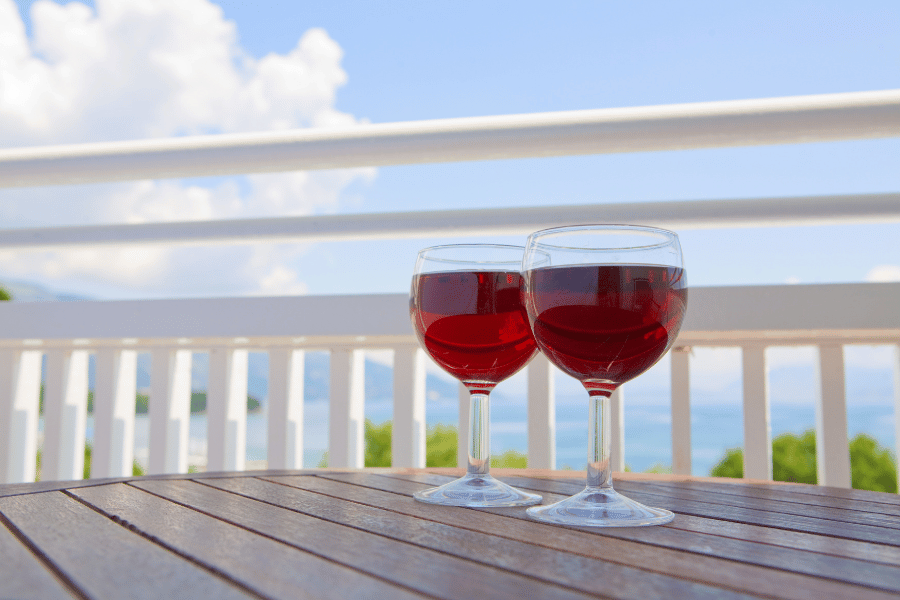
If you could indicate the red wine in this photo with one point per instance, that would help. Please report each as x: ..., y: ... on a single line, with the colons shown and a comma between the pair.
x: 473, y: 324
x: 605, y: 325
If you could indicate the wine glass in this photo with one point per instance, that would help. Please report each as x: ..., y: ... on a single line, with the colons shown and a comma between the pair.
x: 466, y: 308
x: 605, y: 302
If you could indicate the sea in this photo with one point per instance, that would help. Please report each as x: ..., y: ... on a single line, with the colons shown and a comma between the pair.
x: 648, y: 438
x: 716, y: 410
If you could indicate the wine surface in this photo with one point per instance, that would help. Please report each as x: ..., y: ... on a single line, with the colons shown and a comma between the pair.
x: 605, y: 325
x: 473, y: 324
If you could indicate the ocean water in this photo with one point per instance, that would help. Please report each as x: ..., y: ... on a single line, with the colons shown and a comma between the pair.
x: 716, y: 414
x: 714, y: 429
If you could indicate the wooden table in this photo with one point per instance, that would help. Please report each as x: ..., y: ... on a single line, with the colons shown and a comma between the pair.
x: 359, y: 534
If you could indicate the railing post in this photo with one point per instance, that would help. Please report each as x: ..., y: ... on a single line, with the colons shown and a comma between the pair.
x: 65, y: 414
x: 115, y: 387
x: 832, y: 445
x: 617, y: 430
x: 169, y: 410
x: 286, y: 380
x: 20, y: 383
x: 757, y: 426
x: 541, y: 414
x: 897, y: 402
x: 226, y: 409
x: 462, y: 443
x: 681, y: 410
x: 346, y: 440
x: 408, y: 432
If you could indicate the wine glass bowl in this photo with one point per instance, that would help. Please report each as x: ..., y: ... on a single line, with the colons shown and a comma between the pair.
x: 605, y: 303
x: 465, y: 306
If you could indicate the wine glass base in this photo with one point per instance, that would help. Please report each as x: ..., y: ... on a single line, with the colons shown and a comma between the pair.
x: 477, y: 491
x: 600, y: 507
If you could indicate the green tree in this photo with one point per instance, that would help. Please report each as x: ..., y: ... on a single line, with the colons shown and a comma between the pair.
x: 872, y: 467
x: 136, y: 469
x: 509, y: 460
x: 440, y: 443
x: 378, y: 444
x: 4, y: 294
x: 440, y: 446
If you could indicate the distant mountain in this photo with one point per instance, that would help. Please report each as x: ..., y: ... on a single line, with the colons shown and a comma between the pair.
x: 26, y: 291
x: 379, y: 379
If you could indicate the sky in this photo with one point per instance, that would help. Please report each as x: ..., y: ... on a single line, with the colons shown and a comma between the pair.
x: 127, y: 69
x: 73, y: 72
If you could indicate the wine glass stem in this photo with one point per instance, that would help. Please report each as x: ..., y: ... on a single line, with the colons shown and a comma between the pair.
x: 479, y: 434
x: 598, y: 472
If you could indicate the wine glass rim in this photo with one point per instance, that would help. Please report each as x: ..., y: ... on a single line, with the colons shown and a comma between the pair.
x: 668, y: 234
x: 517, y: 261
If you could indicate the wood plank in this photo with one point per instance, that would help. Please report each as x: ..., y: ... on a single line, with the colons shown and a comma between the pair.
x: 403, y: 519
x: 853, y: 571
x: 773, y: 505
x: 421, y: 569
x: 850, y: 494
x: 18, y: 489
x: 106, y: 560
x: 672, y: 561
x: 22, y: 575
x: 664, y: 499
x: 260, y: 563
x: 744, y: 531
x: 786, y: 495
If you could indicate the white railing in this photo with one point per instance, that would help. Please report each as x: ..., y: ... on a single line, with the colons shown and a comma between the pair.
x: 823, y: 118
x: 749, y: 317
x: 752, y: 318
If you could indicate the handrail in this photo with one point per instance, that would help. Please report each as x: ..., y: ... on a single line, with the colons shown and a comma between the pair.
x: 681, y: 215
x: 795, y: 119
x: 724, y: 315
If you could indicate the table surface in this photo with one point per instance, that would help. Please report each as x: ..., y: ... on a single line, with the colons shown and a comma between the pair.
x: 359, y: 534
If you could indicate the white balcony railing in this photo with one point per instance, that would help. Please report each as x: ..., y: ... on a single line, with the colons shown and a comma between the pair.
x: 752, y: 318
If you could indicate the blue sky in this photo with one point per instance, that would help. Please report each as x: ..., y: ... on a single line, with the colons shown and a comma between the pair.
x: 170, y: 67
x: 414, y: 60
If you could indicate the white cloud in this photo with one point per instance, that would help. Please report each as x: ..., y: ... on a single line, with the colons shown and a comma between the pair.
x: 279, y: 281
x: 883, y: 274
x: 713, y: 369
x: 161, y: 68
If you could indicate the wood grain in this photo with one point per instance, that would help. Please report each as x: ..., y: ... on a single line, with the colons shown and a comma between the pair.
x: 673, y: 560
x: 774, y: 505
x: 852, y: 571
x: 671, y: 500
x: 269, y: 567
x: 106, y: 560
x: 358, y: 534
x: 787, y: 494
x: 581, y: 572
x: 424, y: 570
x: 22, y: 575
